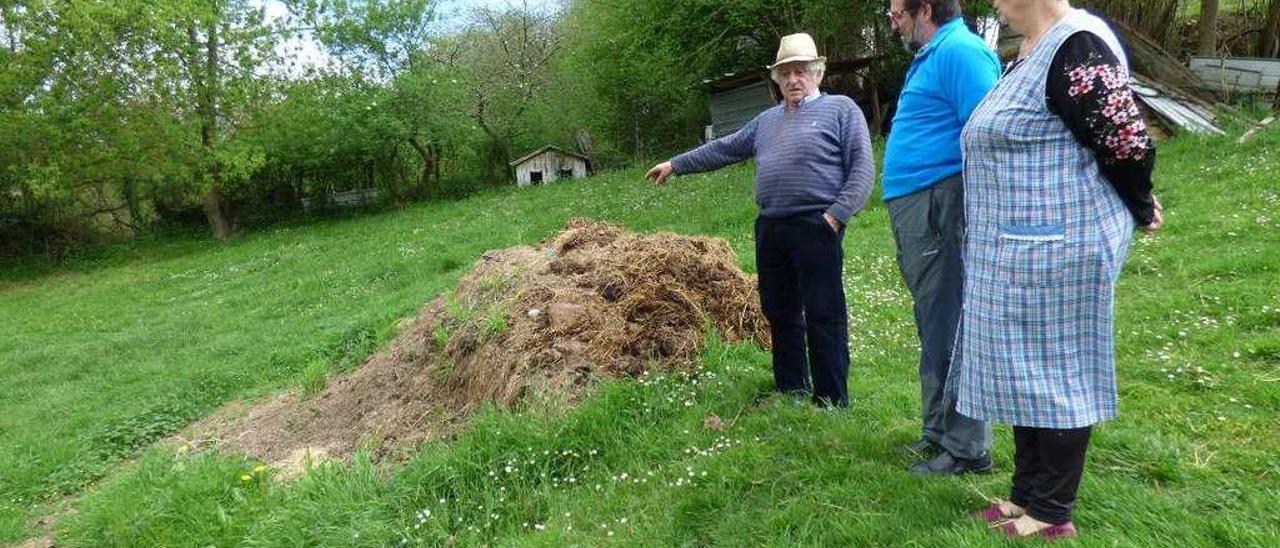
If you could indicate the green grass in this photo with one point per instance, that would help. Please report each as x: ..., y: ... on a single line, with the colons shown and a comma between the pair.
x: 314, y: 378
x: 1191, y: 8
x: 102, y: 359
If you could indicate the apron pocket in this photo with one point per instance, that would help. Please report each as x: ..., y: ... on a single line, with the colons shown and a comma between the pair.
x: 1031, y: 256
x: 1037, y: 304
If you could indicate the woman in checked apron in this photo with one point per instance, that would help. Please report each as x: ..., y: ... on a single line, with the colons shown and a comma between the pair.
x: 1057, y: 176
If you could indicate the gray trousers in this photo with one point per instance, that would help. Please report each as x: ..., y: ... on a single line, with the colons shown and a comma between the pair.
x: 928, y: 228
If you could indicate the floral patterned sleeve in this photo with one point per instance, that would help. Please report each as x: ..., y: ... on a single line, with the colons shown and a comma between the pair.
x: 1089, y: 89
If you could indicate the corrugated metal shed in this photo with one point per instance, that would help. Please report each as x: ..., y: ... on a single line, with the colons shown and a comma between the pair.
x: 733, y: 108
x: 737, y: 97
x: 1238, y: 74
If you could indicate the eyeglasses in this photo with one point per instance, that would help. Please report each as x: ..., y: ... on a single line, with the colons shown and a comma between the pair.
x: 896, y: 15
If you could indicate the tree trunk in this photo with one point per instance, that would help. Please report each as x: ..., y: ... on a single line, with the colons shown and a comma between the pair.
x: 500, y: 159
x: 425, y: 153
x: 499, y: 147
x: 437, y: 152
x: 215, y: 211
x: 1208, y: 27
x: 636, y: 136
x: 137, y: 218
x: 1270, y: 37
x: 206, y: 83
x: 877, y: 114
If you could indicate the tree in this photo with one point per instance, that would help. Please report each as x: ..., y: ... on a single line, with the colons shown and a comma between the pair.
x: 135, y: 98
x: 392, y: 43
x: 645, y: 61
x: 89, y: 129
x: 226, y: 43
x: 1269, y: 40
x: 1208, y: 30
x: 508, y: 55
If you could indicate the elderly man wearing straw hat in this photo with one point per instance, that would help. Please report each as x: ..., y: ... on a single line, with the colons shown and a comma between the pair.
x: 814, y: 171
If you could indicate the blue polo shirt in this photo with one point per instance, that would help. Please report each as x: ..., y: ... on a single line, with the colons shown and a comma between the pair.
x: 948, y: 78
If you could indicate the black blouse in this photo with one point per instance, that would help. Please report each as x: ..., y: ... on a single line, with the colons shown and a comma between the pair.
x: 1089, y: 89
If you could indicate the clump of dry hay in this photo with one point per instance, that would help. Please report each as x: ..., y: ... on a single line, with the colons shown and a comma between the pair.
x: 594, y: 300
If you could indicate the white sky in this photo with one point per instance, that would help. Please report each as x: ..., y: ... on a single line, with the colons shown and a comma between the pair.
x: 306, y: 52
x: 303, y: 50
x: 537, y: 5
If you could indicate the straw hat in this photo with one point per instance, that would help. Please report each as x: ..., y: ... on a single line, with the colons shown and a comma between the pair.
x: 797, y: 47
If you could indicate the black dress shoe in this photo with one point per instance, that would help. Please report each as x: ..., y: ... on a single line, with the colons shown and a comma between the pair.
x: 946, y: 465
x: 922, y: 448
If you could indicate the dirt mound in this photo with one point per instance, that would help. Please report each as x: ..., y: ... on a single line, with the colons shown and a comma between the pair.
x: 526, y: 322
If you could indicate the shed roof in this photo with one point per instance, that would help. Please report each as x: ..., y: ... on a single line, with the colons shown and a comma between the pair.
x: 530, y: 155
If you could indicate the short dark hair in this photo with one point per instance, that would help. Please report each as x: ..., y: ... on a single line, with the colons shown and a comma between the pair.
x: 943, y: 10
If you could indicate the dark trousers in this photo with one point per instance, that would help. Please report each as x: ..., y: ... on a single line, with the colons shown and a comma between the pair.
x: 928, y: 228
x: 800, y: 260
x: 1048, y: 463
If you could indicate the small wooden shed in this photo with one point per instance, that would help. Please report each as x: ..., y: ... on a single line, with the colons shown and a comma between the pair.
x: 547, y: 164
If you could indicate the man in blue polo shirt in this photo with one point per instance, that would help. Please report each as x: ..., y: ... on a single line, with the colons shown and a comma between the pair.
x: 952, y: 71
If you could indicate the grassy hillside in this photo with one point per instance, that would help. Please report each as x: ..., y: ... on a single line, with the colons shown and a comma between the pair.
x: 101, y: 360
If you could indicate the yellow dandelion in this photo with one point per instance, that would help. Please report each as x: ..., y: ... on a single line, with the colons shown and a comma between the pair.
x: 259, y: 468
x: 246, y: 477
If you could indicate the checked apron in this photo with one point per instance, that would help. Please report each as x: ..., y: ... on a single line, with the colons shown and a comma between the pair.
x: 1047, y: 238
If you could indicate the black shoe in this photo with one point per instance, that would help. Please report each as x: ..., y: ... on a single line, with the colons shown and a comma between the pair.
x: 946, y: 465
x: 922, y: 448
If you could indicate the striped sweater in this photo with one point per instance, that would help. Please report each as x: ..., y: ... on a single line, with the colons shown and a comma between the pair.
x: 816, y: 158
